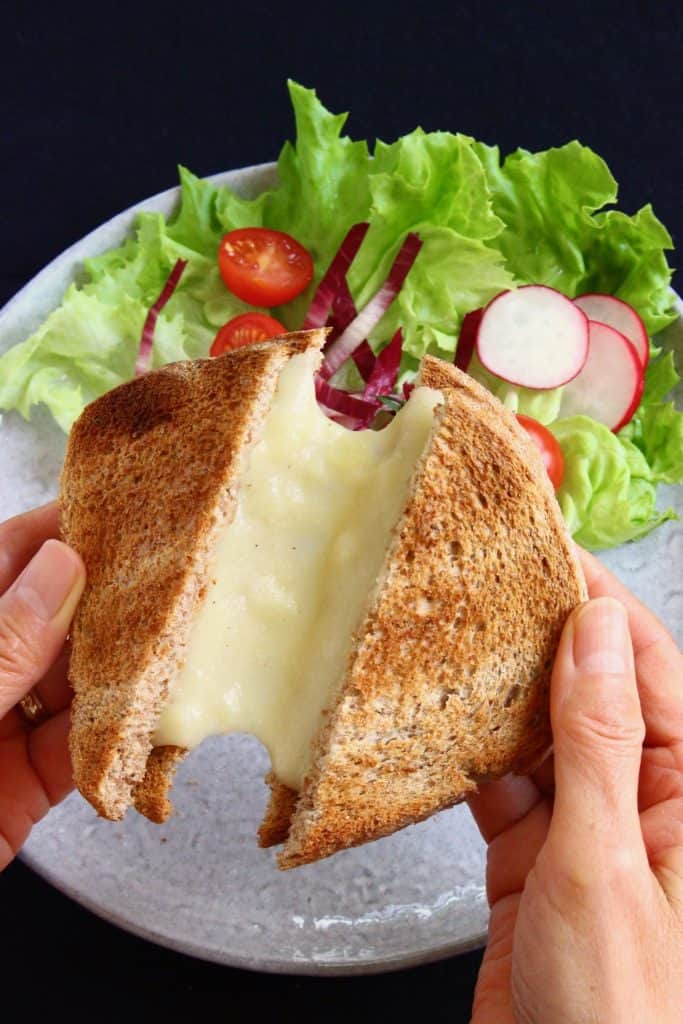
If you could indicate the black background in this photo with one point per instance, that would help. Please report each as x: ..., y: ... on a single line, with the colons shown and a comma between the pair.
x: 101, y: 103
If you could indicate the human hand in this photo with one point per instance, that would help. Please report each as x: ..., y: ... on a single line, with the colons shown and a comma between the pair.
x: 41, y: 580
x: 585, y: 859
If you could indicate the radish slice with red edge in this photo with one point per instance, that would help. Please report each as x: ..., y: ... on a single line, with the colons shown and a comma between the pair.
x: 359, y: 329
x: 382, y: 380
x: 334, y: 276
x: 607, y: 309
x: 533, y: 336
x: 467, y: 339
x: 144, y: 358
x: 610, y: 385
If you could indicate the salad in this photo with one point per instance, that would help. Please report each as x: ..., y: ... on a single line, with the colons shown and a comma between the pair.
x: 422, y: 245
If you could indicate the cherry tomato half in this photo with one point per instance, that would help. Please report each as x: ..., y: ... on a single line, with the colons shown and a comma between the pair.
x: 263, y: 267
x: 245, y: 329
x: 547, y: 444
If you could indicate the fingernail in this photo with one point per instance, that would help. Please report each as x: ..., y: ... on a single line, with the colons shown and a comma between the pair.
x: 48, y: 579
x: 602, y: 642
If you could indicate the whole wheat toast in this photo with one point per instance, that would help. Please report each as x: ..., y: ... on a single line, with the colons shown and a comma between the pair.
x: 447, y: 682
x: 149, y: 480
x: 436, y: 701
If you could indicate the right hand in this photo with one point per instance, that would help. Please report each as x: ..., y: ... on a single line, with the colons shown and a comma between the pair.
x: 585, y: 859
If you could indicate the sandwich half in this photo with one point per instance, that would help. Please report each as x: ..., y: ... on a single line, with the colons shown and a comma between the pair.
x: 380, y: 608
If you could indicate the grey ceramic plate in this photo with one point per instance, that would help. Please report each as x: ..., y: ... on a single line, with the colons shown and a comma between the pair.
x: 200, y: 884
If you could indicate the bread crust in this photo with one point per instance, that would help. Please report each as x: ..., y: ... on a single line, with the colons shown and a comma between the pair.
x: 274, y: 828
x: 150, y: 795
x: 148, y: 481
x: 448, y: 679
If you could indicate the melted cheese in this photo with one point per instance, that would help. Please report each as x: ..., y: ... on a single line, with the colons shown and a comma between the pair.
x: 293, y: 573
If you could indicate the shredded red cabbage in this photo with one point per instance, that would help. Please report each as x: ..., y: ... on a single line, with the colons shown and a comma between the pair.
x: 364, y: 358
x: 350, y: 422
x: 334, y: 308
x: 334, y: 277
x: 343, y: 312
x: 464, y: 348
x: 361, y: 326
x: 357, y: 411
x: 382, y: 380
x: 144, y: 358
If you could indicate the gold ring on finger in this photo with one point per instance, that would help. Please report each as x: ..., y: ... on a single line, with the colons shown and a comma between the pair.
x: 32, y: 709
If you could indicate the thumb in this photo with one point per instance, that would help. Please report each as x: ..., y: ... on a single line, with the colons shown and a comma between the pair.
x: 598, y: 733
x: 35, y: 615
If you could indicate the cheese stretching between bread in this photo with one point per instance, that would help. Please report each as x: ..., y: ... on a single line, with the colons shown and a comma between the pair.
x: 293, y: 572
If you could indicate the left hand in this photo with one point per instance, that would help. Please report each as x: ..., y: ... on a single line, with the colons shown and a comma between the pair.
x: 41, y: 581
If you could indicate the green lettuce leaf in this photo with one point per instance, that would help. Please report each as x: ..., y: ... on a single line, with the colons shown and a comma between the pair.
x: 85, y: 347
x: 323, y: 179
x: 543, y: 406
x: 323, y: 189
x: 608, y: 495
x: 658, y: 434
x: 657, y: 427
x: 432, y: 184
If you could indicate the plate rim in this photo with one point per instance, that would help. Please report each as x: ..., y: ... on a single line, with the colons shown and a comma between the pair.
x: 267, y: 965
x: 69, y: 257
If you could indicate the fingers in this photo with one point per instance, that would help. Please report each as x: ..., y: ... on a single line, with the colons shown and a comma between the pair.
x: 598, y: 732
x: 35, y: 774
x: 53, y: 690
x: 659, y: 663
x: 48, y: 751
x: 21, y: 537
x: 492, y: 995
x: 544, y: 776
x: 513, y: 818
x: 498, y: 805
x: 35, y: 614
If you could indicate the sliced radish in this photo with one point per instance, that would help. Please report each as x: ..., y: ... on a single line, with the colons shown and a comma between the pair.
x: 616, y: 313
x: 610, y: 386
x: 533, y: 336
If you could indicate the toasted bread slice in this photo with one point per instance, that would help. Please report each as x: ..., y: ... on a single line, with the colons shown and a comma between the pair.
x: 449, y: 679
x: 149, y: 479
